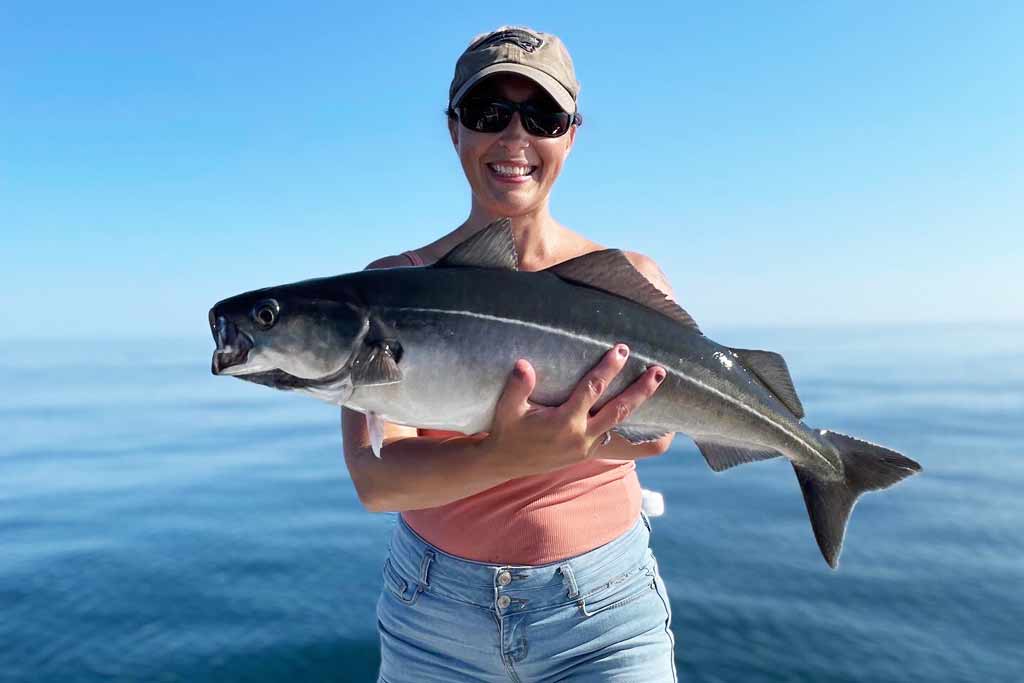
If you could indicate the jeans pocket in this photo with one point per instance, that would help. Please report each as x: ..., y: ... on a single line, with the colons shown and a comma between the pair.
x: 398, y: 586
x: 618, y: 592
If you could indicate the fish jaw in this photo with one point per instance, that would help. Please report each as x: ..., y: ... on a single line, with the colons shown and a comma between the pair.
x: 233, y: 347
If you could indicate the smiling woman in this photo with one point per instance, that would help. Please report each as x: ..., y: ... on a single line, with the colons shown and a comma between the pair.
x: 513, y: 141
x: 520, y: 554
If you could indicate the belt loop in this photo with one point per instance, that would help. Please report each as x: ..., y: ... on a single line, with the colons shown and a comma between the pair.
x: 428, y: 557
x: 570, y: 581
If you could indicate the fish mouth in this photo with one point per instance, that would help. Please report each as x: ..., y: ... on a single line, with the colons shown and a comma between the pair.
x: 233, y: 346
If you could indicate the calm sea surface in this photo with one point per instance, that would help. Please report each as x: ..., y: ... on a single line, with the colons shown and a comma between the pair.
x: 161, y: 524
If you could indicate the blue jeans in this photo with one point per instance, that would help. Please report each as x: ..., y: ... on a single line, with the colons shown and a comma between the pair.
x: 601, y: 616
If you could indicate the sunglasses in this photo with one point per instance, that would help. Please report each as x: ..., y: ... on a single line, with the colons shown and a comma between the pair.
x: 493, y: 115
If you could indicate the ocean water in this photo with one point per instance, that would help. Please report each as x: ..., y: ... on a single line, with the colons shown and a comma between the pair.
x: 161, y: 524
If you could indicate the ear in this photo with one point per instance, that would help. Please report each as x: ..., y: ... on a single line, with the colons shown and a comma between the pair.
x: 453, y: 131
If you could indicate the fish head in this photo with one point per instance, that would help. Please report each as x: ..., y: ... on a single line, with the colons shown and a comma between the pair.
x: 284, y: 338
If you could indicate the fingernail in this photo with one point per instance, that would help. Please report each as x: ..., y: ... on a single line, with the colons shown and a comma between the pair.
x: 623, y: 350
x: 517, y: 370
x: 659, y: 375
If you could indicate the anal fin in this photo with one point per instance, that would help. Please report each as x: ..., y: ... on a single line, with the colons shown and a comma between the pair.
x: 722, y: 454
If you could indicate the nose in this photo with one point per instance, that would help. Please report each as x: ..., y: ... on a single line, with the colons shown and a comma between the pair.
x: 514, y: 137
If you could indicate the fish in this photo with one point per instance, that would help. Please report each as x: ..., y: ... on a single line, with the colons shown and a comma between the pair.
x: 432, y: 346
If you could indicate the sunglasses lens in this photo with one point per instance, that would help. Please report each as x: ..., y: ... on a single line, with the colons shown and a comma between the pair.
x: 484, y: 116
x: 549, y: 124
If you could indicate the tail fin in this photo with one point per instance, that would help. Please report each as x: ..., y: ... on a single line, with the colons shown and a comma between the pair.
x: 867, y: 467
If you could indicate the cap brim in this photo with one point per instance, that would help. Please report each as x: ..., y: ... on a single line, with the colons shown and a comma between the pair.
x: 550, y: 85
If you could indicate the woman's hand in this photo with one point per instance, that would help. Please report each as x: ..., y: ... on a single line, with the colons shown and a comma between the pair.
x: 528, y: 439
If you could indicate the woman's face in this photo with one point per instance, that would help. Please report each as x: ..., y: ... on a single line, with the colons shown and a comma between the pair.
x: 511, y: 172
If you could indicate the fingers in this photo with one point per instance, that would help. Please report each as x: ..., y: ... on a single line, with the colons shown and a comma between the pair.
x: 518, y: 388
x: 593, y: 384
x: 622, y: 406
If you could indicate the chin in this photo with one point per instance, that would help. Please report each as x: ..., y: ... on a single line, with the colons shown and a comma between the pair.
x: 514, y: 202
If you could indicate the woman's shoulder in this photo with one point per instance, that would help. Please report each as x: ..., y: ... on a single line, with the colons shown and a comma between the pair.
x: 425, y: 255
x: 650, y: 270
x: 643, y: 263
x: 413, y: 257
x: 393, y: 261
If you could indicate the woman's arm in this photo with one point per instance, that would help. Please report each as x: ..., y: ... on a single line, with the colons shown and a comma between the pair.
x: 413, y: 471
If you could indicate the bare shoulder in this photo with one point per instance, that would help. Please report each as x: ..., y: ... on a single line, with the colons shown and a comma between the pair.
x: 425, y: 255
x: 645, y: 264
x: 650, y: 270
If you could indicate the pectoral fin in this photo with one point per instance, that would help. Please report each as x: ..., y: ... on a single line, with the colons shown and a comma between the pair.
x: 376, y: 361
x: 375, y: 364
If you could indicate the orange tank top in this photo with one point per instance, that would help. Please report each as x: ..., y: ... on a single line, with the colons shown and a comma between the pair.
x: 538, y: 519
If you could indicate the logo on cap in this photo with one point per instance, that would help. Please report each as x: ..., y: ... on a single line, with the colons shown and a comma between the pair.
x: 523, y: 39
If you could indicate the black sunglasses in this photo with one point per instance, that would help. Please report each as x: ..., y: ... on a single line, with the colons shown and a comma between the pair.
x: 493, y: 115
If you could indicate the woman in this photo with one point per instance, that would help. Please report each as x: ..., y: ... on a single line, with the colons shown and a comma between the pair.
x: 520, y: 554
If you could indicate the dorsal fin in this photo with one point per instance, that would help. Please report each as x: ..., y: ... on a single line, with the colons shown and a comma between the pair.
x: 611, y: 271
x: 771, y: 369
x: 492, y: 247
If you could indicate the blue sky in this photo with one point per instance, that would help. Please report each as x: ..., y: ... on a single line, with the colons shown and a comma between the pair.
x: 785, y: 163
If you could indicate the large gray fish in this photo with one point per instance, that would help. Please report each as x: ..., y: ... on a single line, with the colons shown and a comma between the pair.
x: 432, y: 347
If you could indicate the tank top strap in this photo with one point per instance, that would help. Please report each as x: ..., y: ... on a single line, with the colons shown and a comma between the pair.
x: 413, y: 257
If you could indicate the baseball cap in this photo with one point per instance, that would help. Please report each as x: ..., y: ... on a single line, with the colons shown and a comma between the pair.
x: 541, y: 57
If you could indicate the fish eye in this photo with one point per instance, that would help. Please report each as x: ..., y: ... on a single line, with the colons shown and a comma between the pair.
x: 265, y: 313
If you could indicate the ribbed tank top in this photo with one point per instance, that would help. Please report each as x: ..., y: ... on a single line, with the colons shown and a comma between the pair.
x: 538, y: 519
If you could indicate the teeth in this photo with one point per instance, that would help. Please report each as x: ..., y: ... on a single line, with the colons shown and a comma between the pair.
x: 501, y: 169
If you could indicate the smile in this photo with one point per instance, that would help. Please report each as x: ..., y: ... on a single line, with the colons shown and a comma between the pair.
x: 511, y: 170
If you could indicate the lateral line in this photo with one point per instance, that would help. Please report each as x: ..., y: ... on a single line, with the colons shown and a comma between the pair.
x: 601, y: 343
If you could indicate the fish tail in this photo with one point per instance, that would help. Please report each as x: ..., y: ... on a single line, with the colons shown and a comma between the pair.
x: 866, y: 467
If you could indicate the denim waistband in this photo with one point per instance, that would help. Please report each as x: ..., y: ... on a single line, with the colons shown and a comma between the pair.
x: 431, y: 569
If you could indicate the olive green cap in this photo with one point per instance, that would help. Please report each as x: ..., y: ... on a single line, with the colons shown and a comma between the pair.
x: 541, y: 57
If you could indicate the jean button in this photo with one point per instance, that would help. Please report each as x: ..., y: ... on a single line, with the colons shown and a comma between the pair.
x: 504, y: 601
x: 504, y: 579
